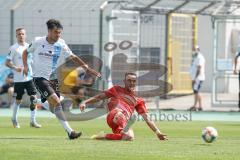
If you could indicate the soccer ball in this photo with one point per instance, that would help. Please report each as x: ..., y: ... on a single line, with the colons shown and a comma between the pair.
x: 209, y: 134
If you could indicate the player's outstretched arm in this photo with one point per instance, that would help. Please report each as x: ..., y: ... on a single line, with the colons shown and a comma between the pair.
x: 153, y: 127
x: 91, y: 100
x: 25, y: 65
x: 81, y: 63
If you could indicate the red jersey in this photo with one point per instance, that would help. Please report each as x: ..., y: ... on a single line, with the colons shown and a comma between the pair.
x: 125, y: 100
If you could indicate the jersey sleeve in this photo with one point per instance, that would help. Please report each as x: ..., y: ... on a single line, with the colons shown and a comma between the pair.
x: 237, y: 54
x: 141, y: 107
x: 200, y: 61
x: 10, y: 54
x: 66, y: 51
x: 31, y: 48
x: 110, y: 92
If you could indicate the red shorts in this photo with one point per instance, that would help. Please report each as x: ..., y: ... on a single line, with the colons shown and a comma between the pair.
x: 116, y: 120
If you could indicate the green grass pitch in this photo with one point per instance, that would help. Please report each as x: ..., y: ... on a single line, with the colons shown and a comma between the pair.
x: 51, y: 143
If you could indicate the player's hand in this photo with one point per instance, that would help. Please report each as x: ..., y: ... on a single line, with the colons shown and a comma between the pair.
x: 162, y: 136
x: 18, y: 69
x: 82, y: 106
x: 25, y: 71
x: 93, y: 72
x: 235, y: 71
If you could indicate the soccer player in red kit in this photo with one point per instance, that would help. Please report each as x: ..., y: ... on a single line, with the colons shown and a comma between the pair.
x: 121, y: 106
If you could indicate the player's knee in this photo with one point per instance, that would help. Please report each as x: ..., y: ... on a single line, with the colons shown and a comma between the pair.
x: 11, y: 90
x: 53, y: 100
x: 33, y: 99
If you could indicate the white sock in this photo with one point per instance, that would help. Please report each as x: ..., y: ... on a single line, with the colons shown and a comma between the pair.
x: 15, y: 111
x: 33, y: 115
x: 62, y: 119
x: 66, y: 126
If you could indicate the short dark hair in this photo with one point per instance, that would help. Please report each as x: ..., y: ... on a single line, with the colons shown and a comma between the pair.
x: 130, y: 73
x: 52, y: 23
x: 19, y: 29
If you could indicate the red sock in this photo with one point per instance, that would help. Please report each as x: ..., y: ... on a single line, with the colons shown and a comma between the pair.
x: 113, y: 136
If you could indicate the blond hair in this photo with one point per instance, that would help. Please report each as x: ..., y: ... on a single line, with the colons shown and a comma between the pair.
x: 19, y: 29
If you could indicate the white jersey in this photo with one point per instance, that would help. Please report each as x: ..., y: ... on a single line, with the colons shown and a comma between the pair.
x: 15, y: 55
x: 198, y: 60
x: 47, y: 57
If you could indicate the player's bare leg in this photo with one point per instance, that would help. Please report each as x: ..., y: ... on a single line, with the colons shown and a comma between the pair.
x: 130, y: 122
x: 200, y: 102
x: 10, y: 96
x: 129, y: 136
x: 194, y: 108
x: 100, y: 136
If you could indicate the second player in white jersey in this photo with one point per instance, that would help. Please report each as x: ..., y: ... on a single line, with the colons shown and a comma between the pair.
x: 22, y: 82
x: 15, y: 55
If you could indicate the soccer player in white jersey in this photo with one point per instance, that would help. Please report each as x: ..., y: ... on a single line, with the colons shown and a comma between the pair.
x: 49, y: 52
x: 21, y: 83
x: 236, y: 71
x: 197, y: 73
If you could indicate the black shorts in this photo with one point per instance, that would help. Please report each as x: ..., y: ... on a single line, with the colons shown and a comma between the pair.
x: 20, y: 87
x: 5, y: 88
x: 46, y: 87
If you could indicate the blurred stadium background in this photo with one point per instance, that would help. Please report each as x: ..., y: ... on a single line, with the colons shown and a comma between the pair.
x: 162, y: 32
